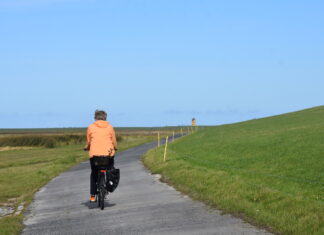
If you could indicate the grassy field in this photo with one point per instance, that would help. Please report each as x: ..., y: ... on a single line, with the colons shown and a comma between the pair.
x: 81, y: 130
x: 48, y: 140
x: 23, y: 171
x: 52, y: 137
x: 268, y: 171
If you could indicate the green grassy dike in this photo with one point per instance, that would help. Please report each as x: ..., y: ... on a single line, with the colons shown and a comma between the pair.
x: 24, y: 172
x: 268, y: 171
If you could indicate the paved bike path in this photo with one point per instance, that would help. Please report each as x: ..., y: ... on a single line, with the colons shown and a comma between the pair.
x: 140, y: 205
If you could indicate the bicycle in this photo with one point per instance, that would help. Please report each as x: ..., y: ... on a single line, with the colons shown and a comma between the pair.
x: 107, y: 179
x: 102, y: 192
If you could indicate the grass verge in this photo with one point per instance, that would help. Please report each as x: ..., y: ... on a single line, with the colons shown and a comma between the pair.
x: 268, y: 171
x: 23, y: 172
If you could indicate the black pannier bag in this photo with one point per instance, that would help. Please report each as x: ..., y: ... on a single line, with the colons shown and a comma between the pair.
x: 113, y: 176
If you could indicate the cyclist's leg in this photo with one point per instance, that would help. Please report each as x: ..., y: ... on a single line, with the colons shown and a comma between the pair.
x: 93, y: 177
x: 111, y: 162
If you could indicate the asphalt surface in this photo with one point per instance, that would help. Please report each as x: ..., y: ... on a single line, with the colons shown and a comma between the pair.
x: 140, y: 205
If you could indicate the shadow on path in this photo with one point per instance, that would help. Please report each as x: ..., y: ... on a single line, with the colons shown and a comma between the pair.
x: 94, y: 205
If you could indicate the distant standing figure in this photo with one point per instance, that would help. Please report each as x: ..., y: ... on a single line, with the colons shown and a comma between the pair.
x: 193, y: 121
x: 101, y: 142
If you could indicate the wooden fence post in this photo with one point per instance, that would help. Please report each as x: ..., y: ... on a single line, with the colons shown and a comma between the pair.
x: 165, y: 149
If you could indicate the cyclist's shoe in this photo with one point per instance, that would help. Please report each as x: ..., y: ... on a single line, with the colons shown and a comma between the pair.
x: 93, y: 198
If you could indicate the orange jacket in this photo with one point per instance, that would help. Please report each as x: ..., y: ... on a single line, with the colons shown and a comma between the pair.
x: 101, y: 139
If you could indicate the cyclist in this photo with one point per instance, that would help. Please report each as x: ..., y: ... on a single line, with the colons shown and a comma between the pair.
x: 101, y: 142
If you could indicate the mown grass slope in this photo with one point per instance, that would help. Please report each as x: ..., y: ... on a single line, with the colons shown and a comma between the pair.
x: 269, y: 171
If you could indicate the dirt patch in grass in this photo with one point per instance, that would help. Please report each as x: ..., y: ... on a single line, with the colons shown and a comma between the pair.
x: 8, y: 148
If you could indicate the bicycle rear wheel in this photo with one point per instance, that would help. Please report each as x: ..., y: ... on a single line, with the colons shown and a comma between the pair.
x: 102, y: 198
x: 99, y: 198
x: 101, y: 193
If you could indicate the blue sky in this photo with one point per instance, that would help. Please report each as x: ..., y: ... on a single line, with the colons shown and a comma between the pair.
x: 157, y: 63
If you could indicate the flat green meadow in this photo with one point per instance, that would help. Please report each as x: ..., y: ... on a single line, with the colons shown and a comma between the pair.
x: 267, y: 171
